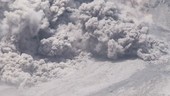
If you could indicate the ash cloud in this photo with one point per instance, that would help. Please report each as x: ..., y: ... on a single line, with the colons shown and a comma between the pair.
x: 33, y: 31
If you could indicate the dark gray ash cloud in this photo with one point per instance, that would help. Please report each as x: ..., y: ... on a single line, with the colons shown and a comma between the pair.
x: 34, y: 32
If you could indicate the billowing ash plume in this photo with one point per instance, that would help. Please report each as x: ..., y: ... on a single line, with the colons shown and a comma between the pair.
x: 33, y: 32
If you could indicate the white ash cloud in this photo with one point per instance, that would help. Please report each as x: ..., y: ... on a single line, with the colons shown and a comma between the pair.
x: 16, y: 69
x: 32, y: 30
x: 63, y: 43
